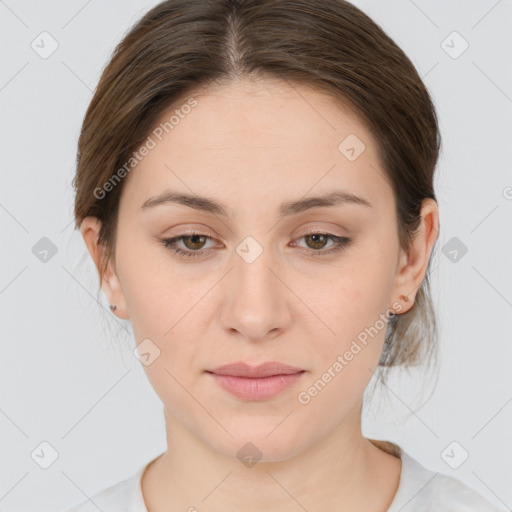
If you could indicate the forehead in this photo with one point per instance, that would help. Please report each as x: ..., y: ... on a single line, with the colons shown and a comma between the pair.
x: 253, y: 139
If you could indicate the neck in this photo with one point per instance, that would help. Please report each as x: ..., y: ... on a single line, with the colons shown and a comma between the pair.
x: 334, y: 474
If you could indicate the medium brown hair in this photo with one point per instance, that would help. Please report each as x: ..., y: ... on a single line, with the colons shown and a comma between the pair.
x: 331, y: 46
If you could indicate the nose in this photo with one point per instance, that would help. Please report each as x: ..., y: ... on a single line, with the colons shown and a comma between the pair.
x: 255, y: 302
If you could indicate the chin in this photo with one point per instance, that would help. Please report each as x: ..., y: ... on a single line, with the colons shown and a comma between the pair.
x: 259, y: 441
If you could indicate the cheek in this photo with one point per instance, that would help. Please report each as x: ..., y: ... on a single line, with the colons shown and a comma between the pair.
x: 354, y: 297
x: 151, y: 286
x: 355, y: 309
x: 166, y: 308
x: 354, y: 305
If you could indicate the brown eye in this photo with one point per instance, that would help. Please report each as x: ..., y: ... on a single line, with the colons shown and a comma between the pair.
x: 316, y: 243
x: 196, y: 242
x: 192, y: 245
x: 319, y: 240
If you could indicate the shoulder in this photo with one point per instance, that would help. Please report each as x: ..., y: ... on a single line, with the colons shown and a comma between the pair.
x: 124, y: 496
x: 423, y: 490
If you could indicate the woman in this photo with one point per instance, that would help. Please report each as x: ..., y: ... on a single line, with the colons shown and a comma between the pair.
x: 255, y: 187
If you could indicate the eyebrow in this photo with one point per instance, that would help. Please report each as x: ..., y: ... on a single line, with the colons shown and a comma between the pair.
x: 288, y: 208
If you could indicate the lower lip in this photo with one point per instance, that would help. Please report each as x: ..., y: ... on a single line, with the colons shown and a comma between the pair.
x: 256, y: 389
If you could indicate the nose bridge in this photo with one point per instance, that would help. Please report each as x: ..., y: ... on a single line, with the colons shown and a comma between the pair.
x: 256, y: 305
x: 255, y: 279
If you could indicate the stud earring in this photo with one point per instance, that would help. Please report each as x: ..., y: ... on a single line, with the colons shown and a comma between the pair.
x: 113, y: 307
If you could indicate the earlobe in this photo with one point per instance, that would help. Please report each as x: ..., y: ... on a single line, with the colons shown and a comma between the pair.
x: 414, y: 264
x: 109, y: 281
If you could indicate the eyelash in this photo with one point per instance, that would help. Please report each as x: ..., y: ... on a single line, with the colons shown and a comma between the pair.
x: 340, y: 243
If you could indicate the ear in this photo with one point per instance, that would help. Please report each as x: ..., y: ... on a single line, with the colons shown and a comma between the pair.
x: 413, y: 265
x: 110, y: 284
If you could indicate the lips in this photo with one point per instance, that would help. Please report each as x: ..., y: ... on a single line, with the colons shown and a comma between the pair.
x: 255, y: 383
x: 241, y: 369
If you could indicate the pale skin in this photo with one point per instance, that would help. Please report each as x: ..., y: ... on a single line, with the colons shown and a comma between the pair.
x: 253, y: 146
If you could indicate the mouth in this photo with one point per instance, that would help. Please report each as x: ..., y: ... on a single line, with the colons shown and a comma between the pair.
x: 256, y: 382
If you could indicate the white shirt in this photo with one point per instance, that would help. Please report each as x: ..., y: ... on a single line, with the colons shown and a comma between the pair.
x: 419, y: 490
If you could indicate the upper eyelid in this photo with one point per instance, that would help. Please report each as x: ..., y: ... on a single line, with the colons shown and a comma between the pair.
x: 178, y: 238
x: 339, y: 243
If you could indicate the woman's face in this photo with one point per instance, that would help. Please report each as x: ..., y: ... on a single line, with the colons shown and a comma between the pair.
x: 262, y: 287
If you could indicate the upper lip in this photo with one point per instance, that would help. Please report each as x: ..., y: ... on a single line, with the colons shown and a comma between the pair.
x: 241, y: 369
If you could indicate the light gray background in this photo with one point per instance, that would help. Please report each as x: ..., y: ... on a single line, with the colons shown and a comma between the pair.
x: 62, y: 379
